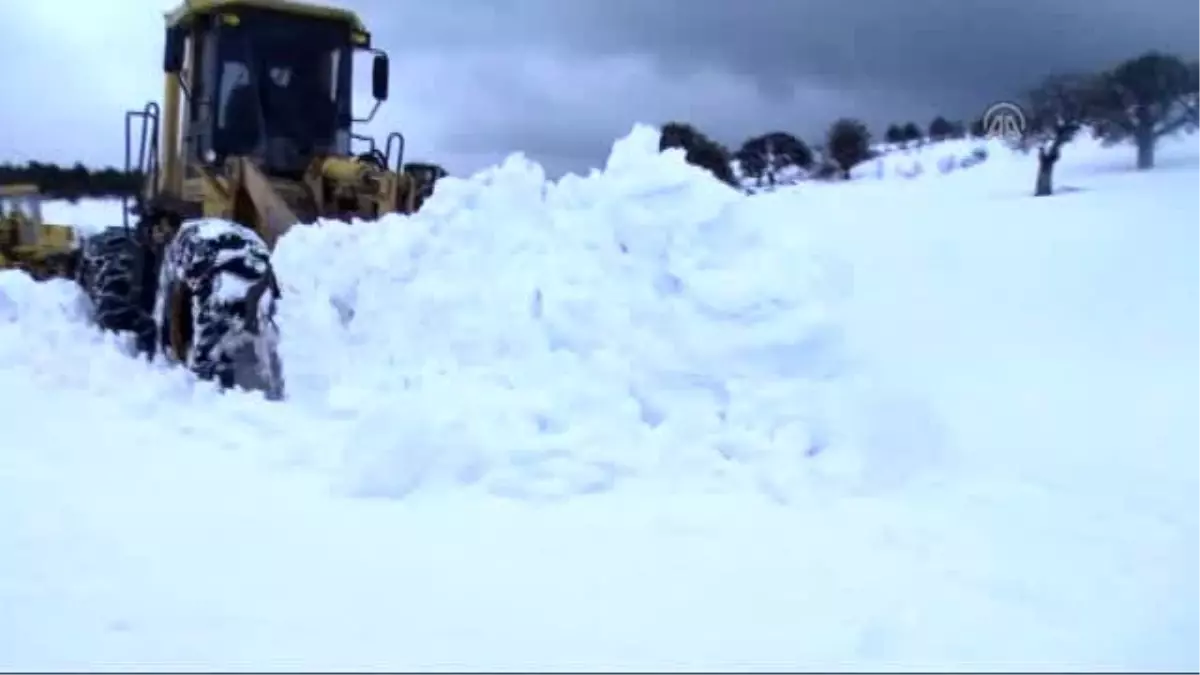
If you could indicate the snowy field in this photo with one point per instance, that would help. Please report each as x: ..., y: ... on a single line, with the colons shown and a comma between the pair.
x: 930, y: 159
x: 636, y: 421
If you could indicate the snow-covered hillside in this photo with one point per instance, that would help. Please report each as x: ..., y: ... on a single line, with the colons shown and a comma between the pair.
x: 929, y: 159
x: 892, y: 161
x: 638, y: 421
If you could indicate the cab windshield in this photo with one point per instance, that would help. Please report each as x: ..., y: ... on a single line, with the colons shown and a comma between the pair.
x: 282, y: 90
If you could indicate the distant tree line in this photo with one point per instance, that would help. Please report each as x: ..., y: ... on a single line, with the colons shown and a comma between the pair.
x: 1139, y: 101
x: 80, y: 182
x: 74, y: 182
x: 763, y: 158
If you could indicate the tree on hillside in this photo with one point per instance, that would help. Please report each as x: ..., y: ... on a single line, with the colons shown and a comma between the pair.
x: 940, y: 129
x: 912, y: 132
x: 977, y: 129
x: 894, y: 134
x: 765, y: 157
x: 848, y: 143
x: 752, y: 164
x: 1144, y: 99
x: 1056, y: 109
x: 700, y: 150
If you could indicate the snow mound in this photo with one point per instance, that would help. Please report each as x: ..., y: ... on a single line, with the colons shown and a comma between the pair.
x: 47, y: 344
x: 546, y: 339
x: 640, y: 327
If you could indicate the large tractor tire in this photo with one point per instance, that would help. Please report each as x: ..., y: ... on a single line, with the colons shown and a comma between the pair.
x: 113, y: 273
x: 215, y: 306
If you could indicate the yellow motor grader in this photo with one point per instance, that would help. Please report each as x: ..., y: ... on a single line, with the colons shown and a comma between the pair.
x: 27, y: 243
x: 254, y: 135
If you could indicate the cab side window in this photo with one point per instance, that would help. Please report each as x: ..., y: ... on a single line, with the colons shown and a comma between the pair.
x: 237, y: 110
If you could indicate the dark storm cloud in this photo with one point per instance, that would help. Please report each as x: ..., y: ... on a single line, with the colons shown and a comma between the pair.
x: 474, y: 80
x: 939, y: 44
x: 879, y: 60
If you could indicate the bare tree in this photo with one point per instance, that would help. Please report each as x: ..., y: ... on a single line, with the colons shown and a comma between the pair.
x: 1144, y: 99
x: 1057, y: 109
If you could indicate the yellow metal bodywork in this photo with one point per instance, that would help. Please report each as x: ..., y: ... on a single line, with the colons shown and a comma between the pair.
x: 29, y: 244
x: 332, y: 187
x: 190, y: 9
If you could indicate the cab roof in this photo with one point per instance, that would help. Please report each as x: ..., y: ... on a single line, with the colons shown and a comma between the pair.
x: 192, y: 8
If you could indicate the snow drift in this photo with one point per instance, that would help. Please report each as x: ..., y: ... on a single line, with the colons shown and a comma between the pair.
x: 546, y: 340
x: 555, y: 339
x: 979, y: 409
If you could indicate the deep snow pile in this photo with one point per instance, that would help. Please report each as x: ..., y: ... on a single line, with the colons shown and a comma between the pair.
x: 561, y: 338
x: 538, y: 340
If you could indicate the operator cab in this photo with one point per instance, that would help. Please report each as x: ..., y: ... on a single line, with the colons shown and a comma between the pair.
x: 20, y: 214
x: 22, y: 201
x: 268, y: 79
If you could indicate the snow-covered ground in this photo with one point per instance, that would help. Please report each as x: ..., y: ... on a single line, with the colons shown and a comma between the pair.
x: 87, y: 215
x: 929, y: 159
x: 636, y: 421
x: 892, y: 161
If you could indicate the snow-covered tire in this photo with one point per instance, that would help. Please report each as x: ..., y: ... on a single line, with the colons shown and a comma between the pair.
x: 215, y: 306
x: 111, y: 274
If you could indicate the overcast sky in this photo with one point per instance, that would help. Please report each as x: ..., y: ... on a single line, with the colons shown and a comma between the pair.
x: 474, y: 80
